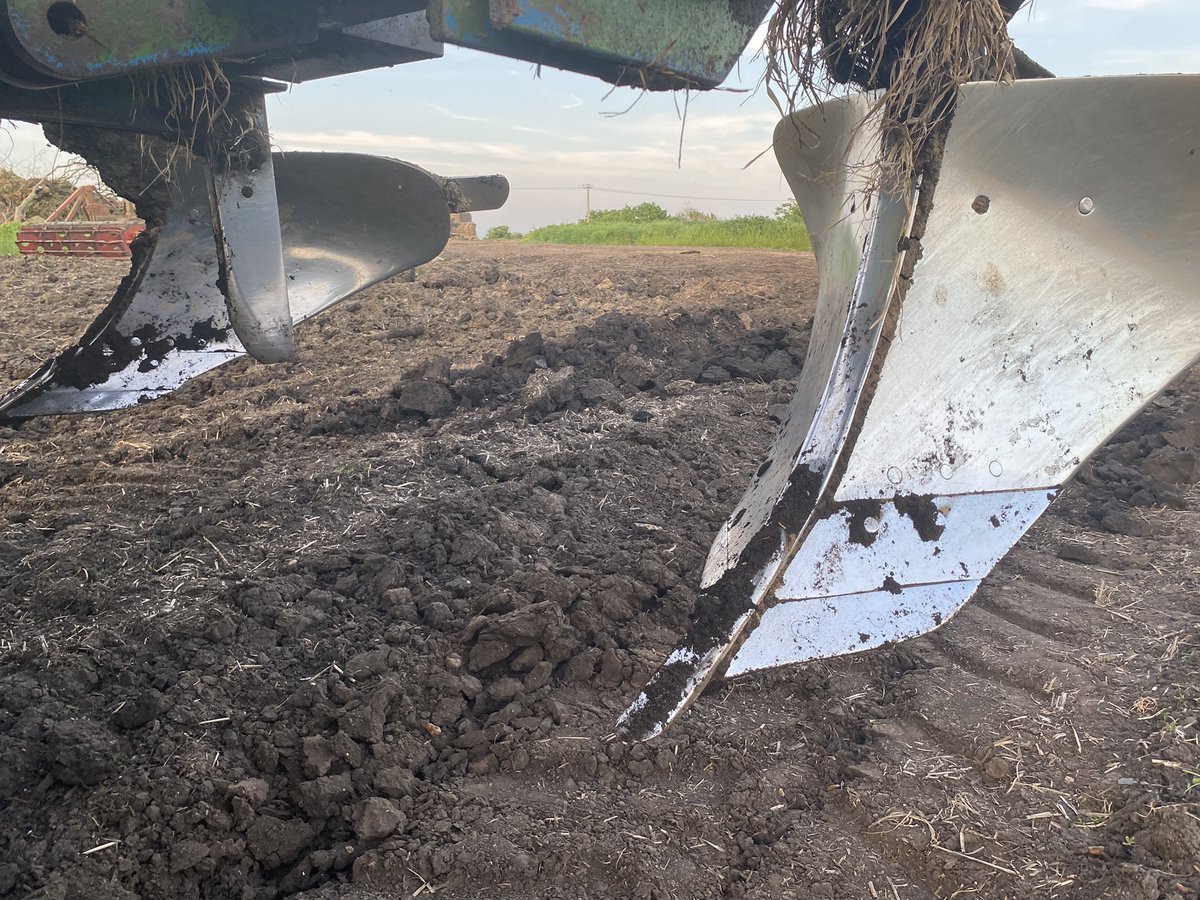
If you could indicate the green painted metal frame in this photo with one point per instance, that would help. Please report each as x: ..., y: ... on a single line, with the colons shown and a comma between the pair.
x: 657, y: 44
x: 663, y: 45
x: 113, y: 38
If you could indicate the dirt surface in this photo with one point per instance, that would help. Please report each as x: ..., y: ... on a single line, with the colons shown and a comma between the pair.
x: 360, y: 626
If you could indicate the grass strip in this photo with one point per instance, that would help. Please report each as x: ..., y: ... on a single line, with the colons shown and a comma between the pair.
x: 759, y: 232
x: 8, y: 238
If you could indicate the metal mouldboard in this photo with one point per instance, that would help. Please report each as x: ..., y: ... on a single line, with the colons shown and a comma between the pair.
x: 1055, y: 295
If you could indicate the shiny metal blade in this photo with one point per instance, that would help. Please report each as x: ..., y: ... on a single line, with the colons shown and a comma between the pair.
x: 867, y: 545
x: 350, y: 221
x: 856, y: 233
x: 1038, y: 327
x: 1056, y: 295
x: 250, y: 253
x: 826, y: 154
x: 851, y: 623
x: 167, y: 322
x: 346, y: 222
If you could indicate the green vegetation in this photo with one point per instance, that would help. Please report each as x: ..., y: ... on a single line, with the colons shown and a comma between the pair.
x: 789, y: 211
x: 28, y: 200
x: 643, y: 212
x: 648, y: 224
x: 501, y: 233
x: 31, y: 198
x: 8, y: 238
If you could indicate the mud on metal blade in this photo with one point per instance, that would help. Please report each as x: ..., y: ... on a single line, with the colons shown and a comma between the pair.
x: 239, y: 260
x: 1054, y: 297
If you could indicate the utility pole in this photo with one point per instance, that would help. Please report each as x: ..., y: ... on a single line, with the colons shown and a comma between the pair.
x: 587, y: 188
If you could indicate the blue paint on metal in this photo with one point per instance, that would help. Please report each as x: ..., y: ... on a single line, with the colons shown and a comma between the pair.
x: 21, y: 24
x: 155, y: 59
x: 549, y: 26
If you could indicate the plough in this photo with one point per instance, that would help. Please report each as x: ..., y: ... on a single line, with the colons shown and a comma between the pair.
x: 986, y: 318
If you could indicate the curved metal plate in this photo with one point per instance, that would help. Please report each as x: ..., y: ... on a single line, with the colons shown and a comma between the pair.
x: 350, y: 221
x: 909, y: 540
x: 1033, y: 331
x: 251, y: 256
x: 1054, y: 298
x: 167, y: 323
x: 834, y: 626
x: 825, y: 153
x: 347, y: 222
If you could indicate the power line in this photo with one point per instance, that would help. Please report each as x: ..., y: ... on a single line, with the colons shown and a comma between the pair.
x: 580, y: 187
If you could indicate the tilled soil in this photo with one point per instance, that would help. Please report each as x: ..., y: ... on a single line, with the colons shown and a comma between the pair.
x: 360, y: 626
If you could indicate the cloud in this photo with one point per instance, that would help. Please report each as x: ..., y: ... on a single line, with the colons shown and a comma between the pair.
x: 1149, y: 61
x: 572, y: 103
x: 546, y: 132
x: 451, y: 114
x: 734, y: 123
x: 717, y: 161
x: 25, y: 150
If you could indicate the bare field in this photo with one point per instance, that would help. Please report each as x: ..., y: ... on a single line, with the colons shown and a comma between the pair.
x: 361, y: 625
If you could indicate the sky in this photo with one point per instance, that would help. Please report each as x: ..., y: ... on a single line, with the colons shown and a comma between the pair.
x: 473, y: 114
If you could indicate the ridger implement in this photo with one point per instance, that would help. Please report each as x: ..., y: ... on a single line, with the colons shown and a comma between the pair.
x: 85, y: 224
x: 987, y: 316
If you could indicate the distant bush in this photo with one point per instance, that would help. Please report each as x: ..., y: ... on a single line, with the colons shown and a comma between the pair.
x: 643, y: 212
x: 38, y: 196
x: 501, y: 233
x: 788, y: 211
x: 687, y: 214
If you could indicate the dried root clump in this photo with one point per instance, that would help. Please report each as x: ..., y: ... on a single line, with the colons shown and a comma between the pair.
x: 205, y: 114
x: 915, y: 52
